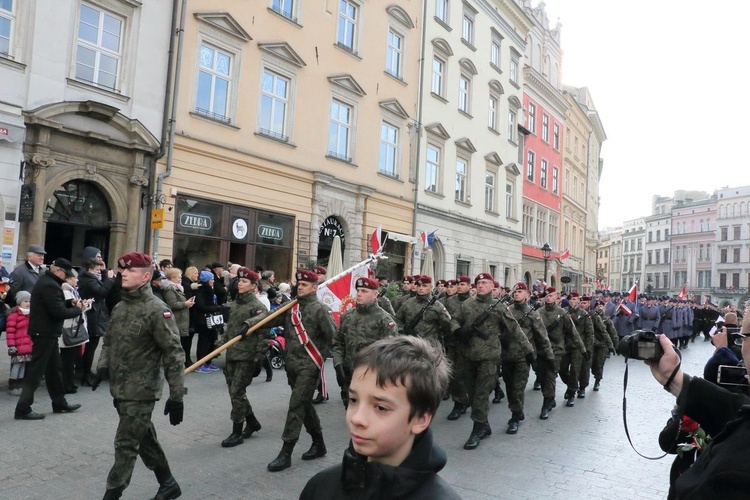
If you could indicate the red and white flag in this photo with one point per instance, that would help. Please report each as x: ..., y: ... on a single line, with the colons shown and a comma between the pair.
x: 633, y: 293
x: 683, y: 292
x: 341, y: 295
x: 624, y: 309
x: 376, y: 240
x: 565, y: 254
x: 423, y: 238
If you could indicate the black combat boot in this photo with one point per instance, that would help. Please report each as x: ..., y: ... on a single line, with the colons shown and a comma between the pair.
x: 581, y: 393
x: 486, y: 430
x: 570, y: 401
x: 251, y: 426
x: 544, y: 415
x: 537, y: 385
x: 318, y: 448
x: 477, y: 433
x: 168, y: 487
x: 457, y: 411
x: 284, y: 460
x: 114, y: 494
x: 499, y: 394
x: 515, y: 418
x: 320, y: 399
x: 596, y: 384
x: 235, y: 437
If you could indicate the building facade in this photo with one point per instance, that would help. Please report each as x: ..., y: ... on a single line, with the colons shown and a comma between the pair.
x: 633, y: 244
x: 657, y: 253
x: 731, y: 256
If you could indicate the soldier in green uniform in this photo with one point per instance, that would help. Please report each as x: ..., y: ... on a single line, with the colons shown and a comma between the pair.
x: 499, y: 293
x: 605, y: 342
x: 359, y: 327
x: 457, y: 292
x: 309, y: 330
x: 141, y: 338
x: 481, y: 325
x: 383, y: 301
x: 585, y: 374
x: 515, y: 366
x: 573, y: 363
x: 422, y: 315
x: 406, y: 289
x: 245, y: 358
x: 565, y: 342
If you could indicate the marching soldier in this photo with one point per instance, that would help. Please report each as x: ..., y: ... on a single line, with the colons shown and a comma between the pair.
x: 422, y: 315
x: 481, y: 324
x: 573, y: 362
x: 309, y: 330
x: 359, y: 327
x: 515, y: 366
x: 650, y: 315
x: 601, y: 345
x: 406, y: 288
x: 458, y: 292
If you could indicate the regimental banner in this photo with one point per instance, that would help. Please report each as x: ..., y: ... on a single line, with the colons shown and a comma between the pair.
x: 341, y: 295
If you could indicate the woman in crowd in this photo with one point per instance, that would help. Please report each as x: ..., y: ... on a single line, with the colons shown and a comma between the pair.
x: 189, y: 286
x: 174, y: 297
x: 206, y: 306
x: 70, y: 354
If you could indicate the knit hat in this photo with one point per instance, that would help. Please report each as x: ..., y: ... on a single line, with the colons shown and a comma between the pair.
x: 21, y: 296
x: 90, y: 253
x: 205, y: 276
x: 284, y: 288
x: 233, y: 269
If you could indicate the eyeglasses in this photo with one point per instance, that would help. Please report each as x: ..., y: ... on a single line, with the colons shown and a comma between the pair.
x: 741, y: 338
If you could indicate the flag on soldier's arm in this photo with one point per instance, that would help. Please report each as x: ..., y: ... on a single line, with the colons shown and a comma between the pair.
x: 565, y: 254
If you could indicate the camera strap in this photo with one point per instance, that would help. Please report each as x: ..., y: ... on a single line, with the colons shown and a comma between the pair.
x: 625, y: 406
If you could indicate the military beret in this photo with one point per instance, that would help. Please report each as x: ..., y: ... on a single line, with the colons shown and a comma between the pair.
x: 574, y: 294
x: 408, y: 279
x: 463, y: 279
x: 320, y: 270
x: 507, y: 289
x: 451, y: 283
x: 371, y: 273
x: 134, y: 259
x: 369, y: 283
x: 483, y: 276
x: 497, y: 284
x: 520, y: 286
x: 473, y: 286
x: 423, y: 280
x: 249, y: 274
x: 586, y: 298
x: 442, y: 282
x: 306, y: 275
x: 550, y: 289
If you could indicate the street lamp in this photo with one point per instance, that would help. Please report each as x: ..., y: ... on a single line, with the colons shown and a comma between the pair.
x: 545, y: 253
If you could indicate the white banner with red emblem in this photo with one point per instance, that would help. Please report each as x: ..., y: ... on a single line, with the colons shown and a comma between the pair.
x: 341, y: 295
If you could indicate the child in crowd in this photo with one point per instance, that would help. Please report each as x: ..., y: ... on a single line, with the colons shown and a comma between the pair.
x: 19, y: 341
x: 396, y: 387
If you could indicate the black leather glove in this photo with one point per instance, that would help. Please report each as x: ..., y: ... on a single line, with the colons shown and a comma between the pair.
x: 12, y: 351
x: 341, y: 377
x: 530, y: 358
x: 463, y: 333
x: 175, y: 410
x: 96, y: 378
x: 243, y: 330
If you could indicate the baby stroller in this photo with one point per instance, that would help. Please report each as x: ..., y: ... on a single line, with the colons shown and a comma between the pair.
x: 275, y: 353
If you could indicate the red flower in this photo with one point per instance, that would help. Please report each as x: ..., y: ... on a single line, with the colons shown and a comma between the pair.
x: 689, y: 425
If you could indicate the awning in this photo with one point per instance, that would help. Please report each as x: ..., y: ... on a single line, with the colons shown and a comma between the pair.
x: 404, y: 238
x: 11, y: 133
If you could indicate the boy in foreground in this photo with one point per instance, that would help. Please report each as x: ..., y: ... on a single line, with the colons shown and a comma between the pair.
x: 396, y: 387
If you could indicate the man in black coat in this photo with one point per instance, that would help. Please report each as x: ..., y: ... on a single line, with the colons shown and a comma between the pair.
x: 26, y: 274
x: 220, y: 289
x: 48, y: 311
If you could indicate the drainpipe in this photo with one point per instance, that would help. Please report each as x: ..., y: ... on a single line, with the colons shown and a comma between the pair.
x: 165, y: 113
x: 419, y: 129
x: 172, y: 119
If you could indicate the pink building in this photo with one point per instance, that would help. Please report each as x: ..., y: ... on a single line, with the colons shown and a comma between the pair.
x: 693, y: 236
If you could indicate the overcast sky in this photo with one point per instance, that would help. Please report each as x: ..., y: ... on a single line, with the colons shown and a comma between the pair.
x: 669, y: 80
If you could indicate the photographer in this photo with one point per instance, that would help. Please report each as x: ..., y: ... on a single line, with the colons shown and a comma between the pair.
x: 724, y: 470
x: 727, y: 352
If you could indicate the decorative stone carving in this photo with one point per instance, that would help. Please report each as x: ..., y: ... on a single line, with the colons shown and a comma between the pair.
x: 139, y: 180
x: 42, y: 161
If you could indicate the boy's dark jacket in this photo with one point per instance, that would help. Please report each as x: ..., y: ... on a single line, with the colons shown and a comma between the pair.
x: 356, y: 478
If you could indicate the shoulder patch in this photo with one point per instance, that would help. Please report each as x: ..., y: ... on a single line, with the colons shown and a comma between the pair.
x: 259, y: 312
x: 391, y: 324
x: 167, y: 313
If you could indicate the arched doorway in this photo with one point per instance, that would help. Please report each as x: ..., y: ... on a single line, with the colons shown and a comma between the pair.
x: 77, y: 216
x: 331, y: 227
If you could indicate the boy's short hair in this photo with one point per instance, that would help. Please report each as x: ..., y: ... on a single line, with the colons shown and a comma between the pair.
x: 418, y: 365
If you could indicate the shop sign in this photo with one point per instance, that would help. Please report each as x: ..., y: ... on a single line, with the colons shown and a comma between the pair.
x: 239, y: 229
x: 331, y: 227
x: 270, y: 232
x: 195, y: 221
x: 157, y: 218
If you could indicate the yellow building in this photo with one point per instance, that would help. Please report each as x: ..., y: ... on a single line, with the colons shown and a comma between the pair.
x: 294, y: 123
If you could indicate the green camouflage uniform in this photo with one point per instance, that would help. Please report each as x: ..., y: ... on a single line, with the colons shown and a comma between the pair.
x: 515, y: 367
x: 385, y: 304
x: 604, y: 340
x: 141, y: 345
x: 456, y: 387
x: 563, y: 338
x: 245, y: 358
x: 302, y: 373
x: 435, y: 322
x: 573, y: 364
x: 482, y: 355
x: 399, y: 300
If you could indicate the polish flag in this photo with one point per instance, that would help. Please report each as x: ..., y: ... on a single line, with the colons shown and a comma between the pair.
x: 341, y: 295
x: 565, y: 254
x: 376, y: 240
x: 624, y: 309
x: 683, y: 292
x: 423, y: 237
x: 633, y: 293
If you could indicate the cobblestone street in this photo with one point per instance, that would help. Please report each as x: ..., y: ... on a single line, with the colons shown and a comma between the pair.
x: 580, y: 452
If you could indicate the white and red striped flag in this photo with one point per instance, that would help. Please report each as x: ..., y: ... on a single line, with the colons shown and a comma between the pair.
x: 683, y: 292
x: 565, y: 254
x: 376, y: 240
x: 341, y: 295
x: 633, y: 293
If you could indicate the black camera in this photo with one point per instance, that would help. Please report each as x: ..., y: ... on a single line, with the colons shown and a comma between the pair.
x: 641, y: 344
x: 732, y: 376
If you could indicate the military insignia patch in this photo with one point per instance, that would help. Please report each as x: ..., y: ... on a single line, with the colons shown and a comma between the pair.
x: 258, y: 312
x: 167, y: 313
x: 134, y: 328
x: 391, y: 324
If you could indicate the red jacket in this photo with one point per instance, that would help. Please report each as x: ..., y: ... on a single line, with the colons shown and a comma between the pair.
x: 17, y: 331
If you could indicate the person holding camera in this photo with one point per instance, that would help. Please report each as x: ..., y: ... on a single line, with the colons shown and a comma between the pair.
x: 724, y: 470
x: 727, y: 351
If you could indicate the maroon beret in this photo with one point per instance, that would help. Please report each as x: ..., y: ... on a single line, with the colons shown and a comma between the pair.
x: 451, y: 283
x: 320, y: 270
x: 246, y: 273
x: 574, y: 294
x: 134, y: 259
x: 442, y: 282
x: 520, y: 286
x: 483, y: 276
x: 497, y: 284
x: 586, y: 298
x: 408, y: 279
x: 551, y: 289
x: 369, y: 283
x: 463, y: 279
x: 423, y: 280
x: 306, y: 275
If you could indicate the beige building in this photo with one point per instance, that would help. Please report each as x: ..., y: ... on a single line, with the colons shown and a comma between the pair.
x: 609, y: 259
x: 294, y: 123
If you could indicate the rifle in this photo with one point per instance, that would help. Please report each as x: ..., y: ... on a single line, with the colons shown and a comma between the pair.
x: 415, y: 320
x: 480, y: 319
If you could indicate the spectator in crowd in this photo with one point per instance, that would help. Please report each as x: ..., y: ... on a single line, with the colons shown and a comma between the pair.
x: 165, y: 264
x: 220, y: 289
x: 174, y: 297
x: 70, y: 354
x: 190, y: 285
x: 26, y: 274
x: 285, y: 290
x: 19, y: 341
x: 231, y: 281
x: 156, y: 280
x: 206, y: 304
x: 267, y: 280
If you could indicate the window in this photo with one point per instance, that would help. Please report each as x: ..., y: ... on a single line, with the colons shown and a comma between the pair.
x: 658, y: 235
x: 489, y: 191
x: 737, y: 231
x: 722, y: 280
x: 441, y: 10
x: 438, y: 76
x: 495, y: 45
x: 432, y: 169
x: 556, y: 136
x: 285, y: 7
x: 555, y: 173
x: 462, y: 267
x: 666, y: 256
x: 394, y: 55
x: 531, y: 122
x: 666, y: 234
x: 736, y: 280
x: 509, y: 200
x: 512, y: 126
x: 213, y: 82
x: 543, y: 174
x: 530, y: 166
x: 462, y: 173
x: 6, y: 26
x: 708, y: 251
x: 723, y: 256
x: 273, y: 105
x: 656, y: 280
x: 467, y: 26
x: 545, y: 127
x: 666, y: 279
x: 657, y: 256
x: 639, y: 263
x: 735, y: 255
x: 346, y: 35
x: 492, y: 113
x: 650, y: 236
x: 649, y: 259
x: 388, y: 149
x: 640, y: 244
x: 724, y: 234
x: 98, y: 52
x: 464, y: 94
x: 338, y: 130
x: 514, y: 64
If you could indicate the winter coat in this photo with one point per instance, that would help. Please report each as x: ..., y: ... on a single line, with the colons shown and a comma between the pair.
x: 174, y: 296
x: 23, y: 278
x: 49, y: 308
x: 356, y: 478
x: 91, y: 287
x: 205, y: 303
x: 81, y: 321
x: 254, y: 346
x: 17, y: 331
